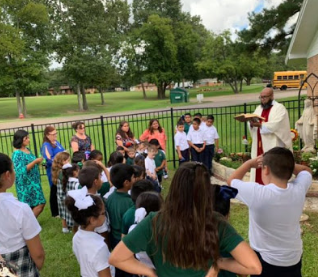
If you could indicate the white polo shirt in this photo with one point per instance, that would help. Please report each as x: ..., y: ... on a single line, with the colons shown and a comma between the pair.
x: 210, y: 134
x: 150, y: 165
x: 196, y: 136
x: 91, y: 252
x: 274, y: 213
x: 180, y: 139
x: 18, y: 223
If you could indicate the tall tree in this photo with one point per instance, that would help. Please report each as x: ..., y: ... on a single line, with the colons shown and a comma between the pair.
x: 25, y: 42
x: 268, y: 29
x: 87, y: 31
x: 161, y: 52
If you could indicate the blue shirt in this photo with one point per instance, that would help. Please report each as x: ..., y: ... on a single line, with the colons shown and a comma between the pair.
x: 48, y: 148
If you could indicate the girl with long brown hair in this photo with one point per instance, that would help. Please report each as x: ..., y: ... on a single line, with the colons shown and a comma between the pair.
x: 124, y: 136
x: 186, y: 237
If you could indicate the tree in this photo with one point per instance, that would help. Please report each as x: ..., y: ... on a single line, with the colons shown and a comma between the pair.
x: 25, y: 42
x: 269, y: 21
x: 161, y: 52
x: 219, y: 59
x: 87, y: 32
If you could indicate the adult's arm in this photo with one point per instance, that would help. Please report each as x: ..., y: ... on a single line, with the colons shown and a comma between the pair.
x: 47, y: 153
x: 32, y: 164
x: 123, y: 258
x: 36, y: 251
x: 144, y: 136
x: 74, y: 146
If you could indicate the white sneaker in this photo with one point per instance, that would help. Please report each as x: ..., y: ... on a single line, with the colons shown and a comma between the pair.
x: 65, y: 230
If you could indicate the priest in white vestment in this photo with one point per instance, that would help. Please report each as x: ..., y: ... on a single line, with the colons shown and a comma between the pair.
x: 273, y: 131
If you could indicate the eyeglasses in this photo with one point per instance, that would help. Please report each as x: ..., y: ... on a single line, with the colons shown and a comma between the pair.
x: 81, y: 127
x: 264, y: 97
x: 54, y: 134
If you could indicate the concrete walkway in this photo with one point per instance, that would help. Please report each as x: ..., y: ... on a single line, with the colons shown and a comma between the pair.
x: 217, y: 101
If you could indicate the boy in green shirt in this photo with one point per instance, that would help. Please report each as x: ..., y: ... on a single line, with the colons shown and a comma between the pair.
x: 129, y: 216
x: 160, y: 160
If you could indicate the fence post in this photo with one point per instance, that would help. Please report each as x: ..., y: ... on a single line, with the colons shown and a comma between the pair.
x: 34, y: 141
x: 104, y: 139
x: 172, y: 132
x: 245, y: 125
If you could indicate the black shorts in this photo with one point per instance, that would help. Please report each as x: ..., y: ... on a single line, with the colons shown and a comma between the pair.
x: 278, y: 271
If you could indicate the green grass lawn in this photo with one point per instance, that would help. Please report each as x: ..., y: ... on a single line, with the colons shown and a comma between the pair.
x: 61, y: 262
x: 66, y: 105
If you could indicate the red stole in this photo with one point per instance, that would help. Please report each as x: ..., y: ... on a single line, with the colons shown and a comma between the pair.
x: 260, y: 151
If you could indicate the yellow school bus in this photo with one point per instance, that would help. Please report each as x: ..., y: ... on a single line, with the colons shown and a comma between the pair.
x: 289, y: 79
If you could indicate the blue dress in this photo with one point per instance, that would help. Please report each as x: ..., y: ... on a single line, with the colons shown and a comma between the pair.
x: 48, y: 148
x: 27, y: 183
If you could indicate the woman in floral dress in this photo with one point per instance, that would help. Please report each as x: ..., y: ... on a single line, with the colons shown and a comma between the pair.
x: 27, y: 180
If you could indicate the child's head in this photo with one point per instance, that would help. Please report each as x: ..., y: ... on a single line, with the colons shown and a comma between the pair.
x: 131, y: 152
x: 196, y: 123
x: 204, y: 118
x: 93, y: 163
x: 187, y: 118
x: 150, y: 200
x: 155, y: 143
x: 60, y: 159
x: 140, y: 160
x: 115, y: 158
x: 96, y: 155
x: 278, y: 162
x: 7, y: 174
x: 122, y: 176
x: 69, y: 170
x: 209, y: 120
x: 140, y: 187
x: 139, y: 172
x: 89, y: 177
x: 197, y: 115
x: 79, y: 158
x: 141, y: 147
x: 152, y: 151
x: 180, y: 126
x: 92, y: 212
x: 222, y: 198
x: 121, y: 150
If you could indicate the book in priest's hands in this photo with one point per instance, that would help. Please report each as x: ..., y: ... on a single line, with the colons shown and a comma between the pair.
x: 249, y: 117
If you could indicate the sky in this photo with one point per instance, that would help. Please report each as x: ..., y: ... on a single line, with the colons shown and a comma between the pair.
x: 219, y: 15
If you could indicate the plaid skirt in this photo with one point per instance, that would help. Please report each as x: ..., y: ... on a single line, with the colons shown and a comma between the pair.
x: 23, y: 260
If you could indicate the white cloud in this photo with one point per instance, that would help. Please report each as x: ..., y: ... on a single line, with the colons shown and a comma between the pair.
x: 219, y: 15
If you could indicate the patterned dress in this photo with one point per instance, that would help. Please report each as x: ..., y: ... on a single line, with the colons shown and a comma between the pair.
x: 27, y: 183
x: 83, y: 144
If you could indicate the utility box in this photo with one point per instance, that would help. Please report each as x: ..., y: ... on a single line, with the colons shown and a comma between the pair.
x: 179, y: 95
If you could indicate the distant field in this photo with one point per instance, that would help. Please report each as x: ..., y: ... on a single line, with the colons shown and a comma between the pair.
x: 66, y: 105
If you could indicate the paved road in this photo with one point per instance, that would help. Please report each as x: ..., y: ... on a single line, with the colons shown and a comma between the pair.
x: 217, y: 101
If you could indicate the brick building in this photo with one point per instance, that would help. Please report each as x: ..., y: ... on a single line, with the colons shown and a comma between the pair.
x: 304, y: 43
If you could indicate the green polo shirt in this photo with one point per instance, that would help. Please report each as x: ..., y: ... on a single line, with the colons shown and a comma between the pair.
x: 186, y: 127
x: 159, y: 158
x: 142, y: 239
x: 117, y: 204
x: 128, y: 219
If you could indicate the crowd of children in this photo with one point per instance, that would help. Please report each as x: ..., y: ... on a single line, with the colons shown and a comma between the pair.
x: 117, y: 208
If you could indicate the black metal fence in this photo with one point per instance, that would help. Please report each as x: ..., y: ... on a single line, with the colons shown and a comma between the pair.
x: 102, y: 130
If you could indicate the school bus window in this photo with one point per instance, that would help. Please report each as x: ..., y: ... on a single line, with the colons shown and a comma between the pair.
x: 279, y: 77
x: 290, y: 77
x: 302, y: 76
x: 296, y: 77
x: 284, y: 77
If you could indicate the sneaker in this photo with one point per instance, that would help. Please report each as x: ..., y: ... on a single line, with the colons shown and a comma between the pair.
x: 165, y: 175
x: 65, y: 230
